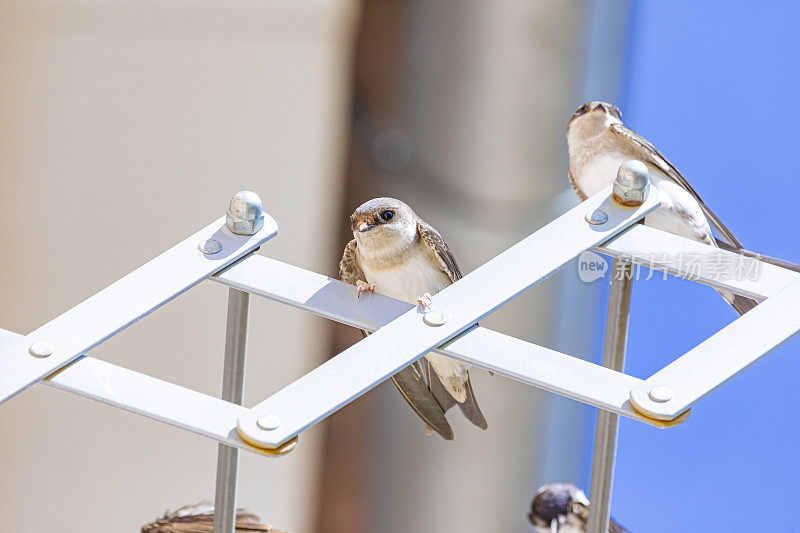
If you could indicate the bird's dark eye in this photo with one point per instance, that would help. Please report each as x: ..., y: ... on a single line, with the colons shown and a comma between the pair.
x: 387, y: 215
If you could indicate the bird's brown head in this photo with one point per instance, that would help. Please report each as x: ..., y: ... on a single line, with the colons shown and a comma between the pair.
x: 596, y: 106
x: 588, y: 122
x: 383, y: 221
x: 559, y: 503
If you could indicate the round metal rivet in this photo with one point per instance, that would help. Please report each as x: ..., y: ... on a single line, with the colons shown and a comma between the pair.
x: 661, y: 394
x: 210, y: 247
x: 434, y: 318
x: 41, y: 349
x: 268, y: 422
x: 597, y: 217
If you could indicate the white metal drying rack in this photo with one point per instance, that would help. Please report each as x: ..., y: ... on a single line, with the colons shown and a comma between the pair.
x: 54, y: 354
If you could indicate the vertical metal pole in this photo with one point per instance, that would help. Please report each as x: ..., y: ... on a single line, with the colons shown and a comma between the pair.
x: 232, y: 389
x: 605, y: 437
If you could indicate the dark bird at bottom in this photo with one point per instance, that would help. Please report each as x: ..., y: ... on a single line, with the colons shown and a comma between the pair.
x: 563, y: 508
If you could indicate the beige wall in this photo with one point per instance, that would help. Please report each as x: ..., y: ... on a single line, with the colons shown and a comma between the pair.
x: 124, y: 127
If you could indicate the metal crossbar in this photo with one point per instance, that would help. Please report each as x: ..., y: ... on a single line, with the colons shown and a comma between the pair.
x: 505, y: 355
x: 408, y: 337
x: 54, y: 354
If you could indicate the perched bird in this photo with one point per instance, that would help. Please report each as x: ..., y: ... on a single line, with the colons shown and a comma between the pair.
x: 599, y: 143
x: 563, y: 508
x: 397, y: 254
x: 199, y: 518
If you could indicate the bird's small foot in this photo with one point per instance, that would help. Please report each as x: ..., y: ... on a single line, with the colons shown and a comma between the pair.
x: 425, y: 301
x: 428, y: 430
x: 364, y: 286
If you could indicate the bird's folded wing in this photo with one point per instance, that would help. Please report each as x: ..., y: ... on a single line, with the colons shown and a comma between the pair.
x: 349, y: 269
x: 441, y: 250
x: 408, y: 381
x: 657, y: 158
x: 755, y: 255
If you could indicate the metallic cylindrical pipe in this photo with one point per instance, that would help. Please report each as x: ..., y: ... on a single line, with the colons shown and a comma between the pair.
x: 605, y: 438
x: 232, y: 391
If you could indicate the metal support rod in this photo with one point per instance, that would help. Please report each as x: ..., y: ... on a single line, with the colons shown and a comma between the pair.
x: 605, y: 437
x: 232, y: 391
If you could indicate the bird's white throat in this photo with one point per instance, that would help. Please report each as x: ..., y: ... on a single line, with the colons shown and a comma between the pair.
x: 386, y: 245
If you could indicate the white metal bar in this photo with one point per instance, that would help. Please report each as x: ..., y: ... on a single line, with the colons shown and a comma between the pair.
x: 122, y: 303
x: 505, y: 355
x: 607, y: 430
x: 232, y: 391
x: 550, y: 370
x: 372, y: 360
x: 699, y: 262
x: 319, y: 294
x: 147, y: 396
x: 673, y: 389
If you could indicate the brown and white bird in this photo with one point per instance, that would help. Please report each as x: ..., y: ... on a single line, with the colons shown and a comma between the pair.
x: 563, y: 508
x: 397, y: 254
x: 599, y: 143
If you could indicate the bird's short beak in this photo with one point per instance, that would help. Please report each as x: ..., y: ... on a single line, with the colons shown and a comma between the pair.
x: 365, y: 227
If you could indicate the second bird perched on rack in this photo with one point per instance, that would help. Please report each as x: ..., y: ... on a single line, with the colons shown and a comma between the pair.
x: 599, y: 143
x: 398, y: 254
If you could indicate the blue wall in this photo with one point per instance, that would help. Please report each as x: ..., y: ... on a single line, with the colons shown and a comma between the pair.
x: 716, y: 87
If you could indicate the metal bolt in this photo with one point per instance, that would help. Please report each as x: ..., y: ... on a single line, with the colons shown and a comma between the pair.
x: 41, y: 349
x: 268, y: 422
x: 244, y: 216
x: 632, y: 183
x: 434, y: 318
x: 597, y: 217
x: 661, y: 394
x: 209, y: 247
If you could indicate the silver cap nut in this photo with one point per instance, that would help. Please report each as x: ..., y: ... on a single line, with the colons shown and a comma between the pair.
x: 632, y: 183
x: 245, y: 215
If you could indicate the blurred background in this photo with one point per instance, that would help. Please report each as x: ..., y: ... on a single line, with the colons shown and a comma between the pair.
x: 125, y: 126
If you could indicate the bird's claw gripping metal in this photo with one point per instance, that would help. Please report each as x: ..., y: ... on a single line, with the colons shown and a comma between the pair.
x: 363, y: 286
x: 425, y: 301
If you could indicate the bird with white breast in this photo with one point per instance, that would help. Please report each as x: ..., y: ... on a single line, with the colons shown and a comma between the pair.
x: 599, y: 143
x: 397, y: 254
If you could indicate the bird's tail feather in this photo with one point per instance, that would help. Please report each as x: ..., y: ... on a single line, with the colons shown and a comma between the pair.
x: 414, y: 390
x: 743, y: 304
x: 469, y: 407
x: 436, y: 386
x: 412, y: 387
x: 755, y: 255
